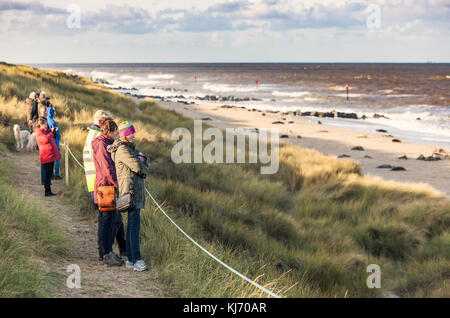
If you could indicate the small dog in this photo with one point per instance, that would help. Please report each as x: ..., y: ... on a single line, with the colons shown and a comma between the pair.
x: 21, y: 136
x: 32, y: 144
x: 24, y: 138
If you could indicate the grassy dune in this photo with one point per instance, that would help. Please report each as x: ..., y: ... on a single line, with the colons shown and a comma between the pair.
x: 26, y: 233
x: 310, y: 230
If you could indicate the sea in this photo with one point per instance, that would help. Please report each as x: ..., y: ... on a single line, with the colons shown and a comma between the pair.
x: 410, y: 101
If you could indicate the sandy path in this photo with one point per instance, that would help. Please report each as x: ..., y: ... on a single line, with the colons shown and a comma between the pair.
x: 97, y: 279
x: 335, y: 141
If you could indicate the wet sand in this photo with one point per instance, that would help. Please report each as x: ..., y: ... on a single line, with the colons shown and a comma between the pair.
x: 335, y: 141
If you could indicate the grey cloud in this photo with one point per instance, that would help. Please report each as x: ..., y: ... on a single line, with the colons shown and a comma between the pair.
x: 232, y: 16
x: 35, y: 7
x: 229, y: 7
x: 203, y: 23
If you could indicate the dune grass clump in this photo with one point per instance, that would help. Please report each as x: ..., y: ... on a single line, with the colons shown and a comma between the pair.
x: 26, y: 233
x: 309, y: 230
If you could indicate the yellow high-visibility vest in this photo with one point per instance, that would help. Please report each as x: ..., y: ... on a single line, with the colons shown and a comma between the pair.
x: 88, y: 159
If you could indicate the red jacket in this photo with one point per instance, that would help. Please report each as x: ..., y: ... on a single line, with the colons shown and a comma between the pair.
x: 105, y: 170
x: 47, y: 146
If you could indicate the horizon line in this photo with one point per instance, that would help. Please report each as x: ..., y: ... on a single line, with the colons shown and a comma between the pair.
x: 242, y: 62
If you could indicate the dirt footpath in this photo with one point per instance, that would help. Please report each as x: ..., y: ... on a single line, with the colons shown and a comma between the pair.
x: 97, y: 279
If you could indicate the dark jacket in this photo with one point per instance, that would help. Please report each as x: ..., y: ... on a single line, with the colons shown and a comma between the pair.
x: 47, y: 147
x: 46, y: 102
x: 130, y: 171
x: 105, y: 172
x: 33, y: 113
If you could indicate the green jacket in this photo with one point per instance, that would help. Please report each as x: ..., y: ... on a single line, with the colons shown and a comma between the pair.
x: 130, y: 171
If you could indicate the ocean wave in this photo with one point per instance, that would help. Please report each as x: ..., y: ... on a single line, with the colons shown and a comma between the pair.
x: 158, y: 92
x: 101, y: 75
x: 341, y: 88
x: 160, y: 76
x: 289, y: 94
x: 356, y: 95
x: 437, y: 127
x: 225, y: 88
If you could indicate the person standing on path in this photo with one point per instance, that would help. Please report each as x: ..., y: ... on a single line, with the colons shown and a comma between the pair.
x: 43, y: 113
x: 131, y: 166
x: 32, y: 114
x: 89, y: 169
x: 48, y: 152
x: 51, y: 123
x: 105, y: 175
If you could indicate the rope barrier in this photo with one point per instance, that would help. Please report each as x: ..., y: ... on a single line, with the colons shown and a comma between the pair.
x: 197, y: 244
x: 75, y: 158
x: 211, y: 255
x: 70, y: 151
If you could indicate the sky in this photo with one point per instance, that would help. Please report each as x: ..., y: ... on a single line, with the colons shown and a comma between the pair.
x: 113, y: 31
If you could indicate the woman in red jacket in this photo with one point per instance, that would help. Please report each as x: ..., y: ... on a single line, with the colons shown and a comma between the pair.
x: 48, y: 151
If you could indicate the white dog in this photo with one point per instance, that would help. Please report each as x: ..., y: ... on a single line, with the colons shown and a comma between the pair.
x: 23, y: 137
x: 32, y: 145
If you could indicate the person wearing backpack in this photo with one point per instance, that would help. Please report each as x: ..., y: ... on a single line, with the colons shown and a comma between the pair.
x: 131, y: 168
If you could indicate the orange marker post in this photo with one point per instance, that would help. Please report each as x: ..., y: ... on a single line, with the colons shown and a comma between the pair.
x: 346, y: 88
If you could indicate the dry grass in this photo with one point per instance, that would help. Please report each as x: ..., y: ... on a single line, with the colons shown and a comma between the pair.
x: 308, y: 231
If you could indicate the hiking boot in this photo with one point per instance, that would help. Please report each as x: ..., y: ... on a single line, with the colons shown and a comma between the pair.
x: 110, y: 260
x: 140, y: 266
x: 49, y: 194
x: 129, y: 264
x: 117, y: 257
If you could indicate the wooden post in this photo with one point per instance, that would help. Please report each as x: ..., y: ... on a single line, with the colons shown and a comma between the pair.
x: 66, y: 145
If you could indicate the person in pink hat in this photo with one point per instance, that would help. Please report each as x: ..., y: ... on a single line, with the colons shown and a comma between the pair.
x: 131, y: 167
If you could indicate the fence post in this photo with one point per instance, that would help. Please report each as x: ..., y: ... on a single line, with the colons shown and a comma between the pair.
x: 66, y: 145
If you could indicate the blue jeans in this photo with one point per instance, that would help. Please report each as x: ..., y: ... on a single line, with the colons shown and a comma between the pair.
x: 133, y: 229
x: 106, y: 230
x: 119, y: 232
x: 57, y: 162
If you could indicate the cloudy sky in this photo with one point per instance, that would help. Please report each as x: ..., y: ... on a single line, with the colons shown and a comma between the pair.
x: 73, y: 31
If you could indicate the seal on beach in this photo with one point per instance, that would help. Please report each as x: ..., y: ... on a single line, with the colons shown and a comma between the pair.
x: 398, y: 169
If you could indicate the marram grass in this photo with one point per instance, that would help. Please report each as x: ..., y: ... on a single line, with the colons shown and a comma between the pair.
x: 310, y: 230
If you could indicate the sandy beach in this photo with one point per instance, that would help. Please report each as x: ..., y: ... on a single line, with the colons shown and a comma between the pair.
x: 336, y: 141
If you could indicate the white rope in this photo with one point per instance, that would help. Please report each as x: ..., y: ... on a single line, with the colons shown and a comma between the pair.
x: 211, y: 255
x: 75, y: 158
x: 197, y: 244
